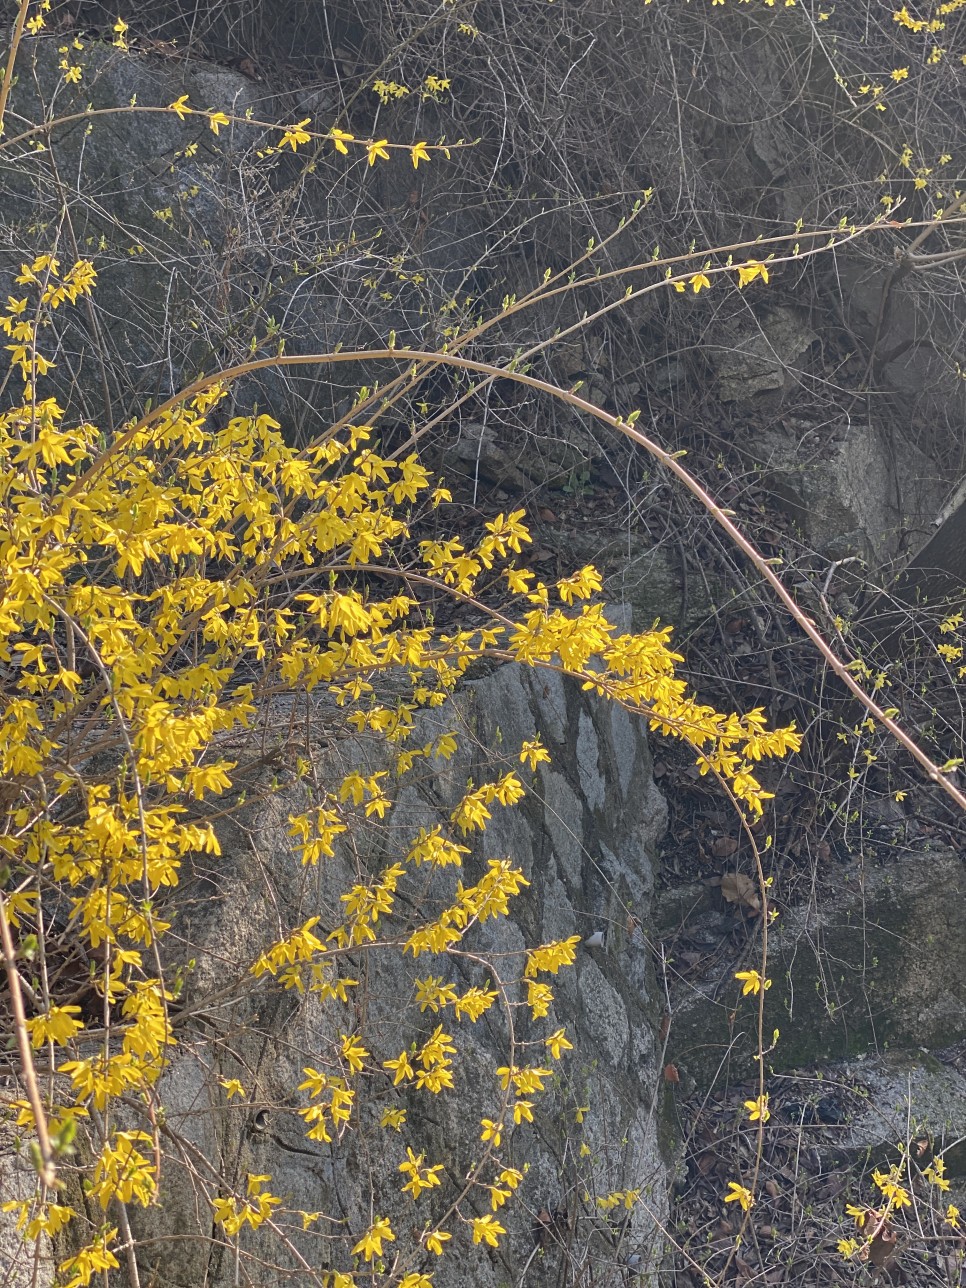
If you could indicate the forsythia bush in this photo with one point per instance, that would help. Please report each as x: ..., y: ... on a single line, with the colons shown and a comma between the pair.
x: 155, y: 586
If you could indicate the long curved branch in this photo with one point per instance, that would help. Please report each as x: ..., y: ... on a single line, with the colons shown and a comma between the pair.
x: 623, y: 426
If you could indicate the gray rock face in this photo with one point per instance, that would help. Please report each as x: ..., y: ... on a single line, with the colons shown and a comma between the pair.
x: 150, y: 201
x: 24, y: 1264
x: 879, y: 966
x: 759, y: 355
x: 209, y: 247
x: 583, y: 838
x: 560, y: 457
x: 652, y: 580
x: 855, y: 489
x: 907, y: 1094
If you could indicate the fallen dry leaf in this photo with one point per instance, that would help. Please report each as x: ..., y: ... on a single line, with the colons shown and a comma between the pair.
x: 882, y: 1249
x: 739, y: 889
x: 724, y: 847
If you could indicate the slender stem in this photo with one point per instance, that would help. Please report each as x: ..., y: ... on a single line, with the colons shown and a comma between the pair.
x: 47, y: 1169
x: 7, y: 82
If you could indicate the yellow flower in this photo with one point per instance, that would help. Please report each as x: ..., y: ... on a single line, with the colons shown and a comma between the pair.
x: 491, y: 1131
x: 296, y: 134
x: 418, y: 153
x: 534, y: 753
x: 354, y: 1052
x: 216, y: 120
x: 858, y: 1214
x: 896, y: 1194
x: 420, y: 1177
x: 739, y: 1194
x: 233, y: 1087
x: 401, y: 1068
x: 58, y: 1025
x: 376, y: 150
x: 557, y: 1042
x: 339, y: 140
x: 91, y: 1260
x: 752, y: 982
x: 551, y: 957
x: 748, y: 271
x: 487, y: 1229
x: 758, y: 1109
x: 699, y: 281
x: 935, y: 1174
x: 370, y: 1245
x: 474, y: 1002
x: 899, y: 74
x: 434, y: 1241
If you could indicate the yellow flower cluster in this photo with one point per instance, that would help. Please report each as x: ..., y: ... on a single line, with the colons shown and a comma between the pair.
x: 154, y: 582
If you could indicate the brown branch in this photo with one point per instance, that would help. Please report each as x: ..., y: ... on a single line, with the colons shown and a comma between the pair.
x: 47, y: 1169
x: 626, y: 427
x: 18, y: 27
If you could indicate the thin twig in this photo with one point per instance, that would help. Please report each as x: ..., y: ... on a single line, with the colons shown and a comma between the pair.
x: 17, y: 36
x: 47, y: 1169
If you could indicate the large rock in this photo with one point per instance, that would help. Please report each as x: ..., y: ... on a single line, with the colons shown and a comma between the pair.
x: 903, y: 1094
x: 25, y: 1264
x: 855, y: 489
x: 584, y: 838
x: 880, y: 964
x: 756, y: 355
x: 211, y: 248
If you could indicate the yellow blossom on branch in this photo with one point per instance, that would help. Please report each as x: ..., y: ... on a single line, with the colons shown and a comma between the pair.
x: 750, y: 270
x: 376, y: 150
x: 295, y: 135
x: 487, y: 1229
x: 751, y: 981
x: 420, y: 1177
x: 339, y: 140
x: 758, y: 1109
x: 739, y: 1194
x: 56, y: 1025
x: 434, y: 1240
x: 370, y: 1245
